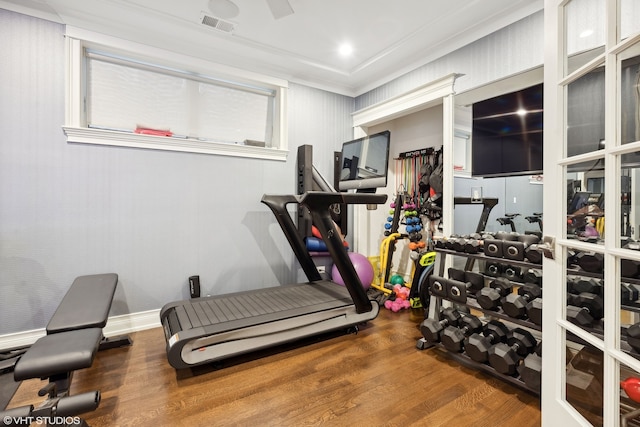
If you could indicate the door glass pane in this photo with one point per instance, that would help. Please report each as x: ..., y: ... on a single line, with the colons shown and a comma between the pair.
x: 629, y: 17
x: 630, y: 96
x: 585, y: 113
x: 629, y: 208
x: 585, y: 30
x: 585, y: 201
x: 630, y: 306
x: 629, y: 396
x: 584, y: 381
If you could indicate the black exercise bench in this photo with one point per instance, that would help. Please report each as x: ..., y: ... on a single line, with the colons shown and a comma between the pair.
x: 74, y: 335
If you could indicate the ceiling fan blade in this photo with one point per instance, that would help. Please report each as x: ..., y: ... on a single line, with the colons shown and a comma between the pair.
x: 280, y: 8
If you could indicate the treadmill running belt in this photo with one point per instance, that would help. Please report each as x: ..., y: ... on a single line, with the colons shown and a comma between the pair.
x: 274, y: 302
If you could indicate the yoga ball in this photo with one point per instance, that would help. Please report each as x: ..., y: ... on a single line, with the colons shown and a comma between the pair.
x: 363, y: 268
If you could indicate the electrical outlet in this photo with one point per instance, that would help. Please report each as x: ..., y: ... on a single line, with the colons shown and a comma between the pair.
x: 321, y: 269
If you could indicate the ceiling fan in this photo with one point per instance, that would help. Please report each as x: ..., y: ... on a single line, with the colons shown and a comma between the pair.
x: 227, y: 9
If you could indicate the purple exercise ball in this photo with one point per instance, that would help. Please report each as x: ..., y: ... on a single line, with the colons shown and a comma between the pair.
x: 363, y: 268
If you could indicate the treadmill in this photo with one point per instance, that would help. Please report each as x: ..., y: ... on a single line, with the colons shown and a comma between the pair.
x: 204, y: 330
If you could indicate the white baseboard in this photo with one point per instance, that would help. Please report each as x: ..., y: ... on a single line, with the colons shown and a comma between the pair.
x: 116, y: 325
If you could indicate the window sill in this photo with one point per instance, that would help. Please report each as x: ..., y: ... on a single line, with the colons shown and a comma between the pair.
x: 124, y: 139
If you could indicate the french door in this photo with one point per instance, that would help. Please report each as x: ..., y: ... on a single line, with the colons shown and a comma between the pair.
x: 592, y: 210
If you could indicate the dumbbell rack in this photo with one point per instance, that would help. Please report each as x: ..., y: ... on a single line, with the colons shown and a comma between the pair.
x: 435, y: 305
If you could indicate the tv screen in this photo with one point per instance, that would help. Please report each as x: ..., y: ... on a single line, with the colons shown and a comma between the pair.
x: 506, y: 138
x: 364, y: 162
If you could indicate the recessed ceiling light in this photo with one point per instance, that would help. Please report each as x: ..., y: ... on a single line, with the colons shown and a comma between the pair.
x: 345, y: 49
x: 225, y: 9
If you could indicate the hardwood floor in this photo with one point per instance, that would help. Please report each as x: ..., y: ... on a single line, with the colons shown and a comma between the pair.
x: 374, y: 378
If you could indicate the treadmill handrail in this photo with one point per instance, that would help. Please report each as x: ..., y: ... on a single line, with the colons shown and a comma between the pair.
x: 278, y: 205
x: 319, y: 204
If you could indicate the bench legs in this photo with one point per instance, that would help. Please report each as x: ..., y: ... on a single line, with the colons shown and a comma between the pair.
x: 55, y: 411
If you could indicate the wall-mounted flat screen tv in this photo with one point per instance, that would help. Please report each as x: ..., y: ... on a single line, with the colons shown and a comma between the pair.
x: 506, y: 138
x: 364, y: 163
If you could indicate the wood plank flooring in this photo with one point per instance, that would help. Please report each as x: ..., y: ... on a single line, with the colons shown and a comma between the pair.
x: 374, y: 378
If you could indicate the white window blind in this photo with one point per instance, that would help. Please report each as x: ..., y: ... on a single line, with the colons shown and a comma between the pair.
x: 123, y: 96
x: 116, y: 87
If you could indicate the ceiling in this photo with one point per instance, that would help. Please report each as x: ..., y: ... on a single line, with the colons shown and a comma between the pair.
x: 297, y: 40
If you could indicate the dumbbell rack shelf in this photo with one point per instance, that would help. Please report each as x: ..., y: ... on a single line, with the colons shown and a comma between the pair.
x: 436, y: 303
x: 633, y: 307
x: 470, y: 363
x: 483, y: 257
x: 501, y: 316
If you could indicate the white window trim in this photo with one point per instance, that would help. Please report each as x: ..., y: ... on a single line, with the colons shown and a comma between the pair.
x: 76, y: 129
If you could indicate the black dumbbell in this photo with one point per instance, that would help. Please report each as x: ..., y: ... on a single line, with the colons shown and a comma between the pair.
x: 584, y: 309
x: 458, y: 291
x: 633, y: 336
x: 477, y: 346
x: 431, y: 329
x: 593, y: 262
x: 504, y: 357
x: 476, y: 280
x: 534, y: 254
x: 456, y: 274
x: 516, y: 305
x: 629, y: 293
x: 512, y: 272
x: 572, y: 258
x: 459, y: 243
x: 438, y: 286
x: 489, y: 297
x: 468, y: 244
x: 473, y: 245
x: 493, y: 247
x: 450, y: 241
x: 530, y: 369
x: 453, y: 337
x: 534, y: 311
x: 629, y: 268
x: 577, y: 285
x: 515, y: 250
x: 532, y: 275
x: 493, y: 269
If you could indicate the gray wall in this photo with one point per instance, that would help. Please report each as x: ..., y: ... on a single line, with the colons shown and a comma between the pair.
x: 153, y: 217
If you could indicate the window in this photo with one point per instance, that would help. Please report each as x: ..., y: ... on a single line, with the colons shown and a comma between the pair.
x: 124, y: 94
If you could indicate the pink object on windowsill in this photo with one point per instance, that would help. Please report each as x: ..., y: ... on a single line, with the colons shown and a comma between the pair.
x: 156, y: 132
